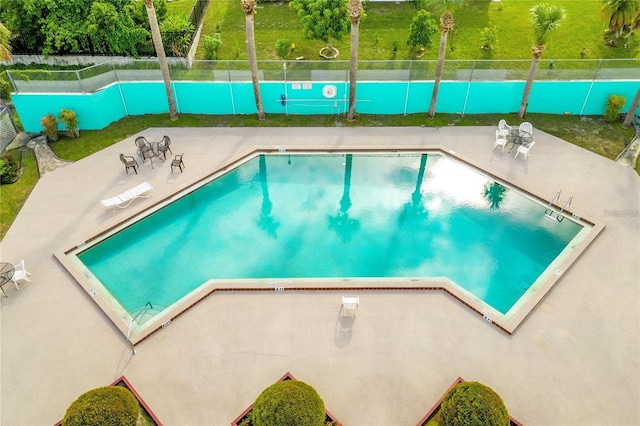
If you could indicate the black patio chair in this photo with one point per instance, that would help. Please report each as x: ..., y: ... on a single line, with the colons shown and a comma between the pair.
x: 143, y: 145
x: 128, y: 162
x: 177, y: 162
x: 163, y: 146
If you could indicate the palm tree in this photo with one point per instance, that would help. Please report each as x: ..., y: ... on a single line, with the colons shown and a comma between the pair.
x: 249, y: 9
x: 446, y: 24
x: 5, y: 47
x: 545, y: 19
x: 162, y: 57
x: 632, y: 111
x: 621, y: 15
x: 355, y: 14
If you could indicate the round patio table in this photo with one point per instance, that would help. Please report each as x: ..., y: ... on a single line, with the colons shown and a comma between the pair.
x: 6, y: 273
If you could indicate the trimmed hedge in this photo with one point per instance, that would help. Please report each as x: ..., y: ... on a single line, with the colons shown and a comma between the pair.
x: 288, y: 403
x: 473, y: 404
x: 105, y: 406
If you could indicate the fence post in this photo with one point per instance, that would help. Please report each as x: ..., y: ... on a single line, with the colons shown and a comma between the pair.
x: 80, y: 81
x: 233, y: 103
x: 15, y: 88
x: 406, y: 93
x: 593, y: 79
x: 286, y: 95
x: 124, y: 103
x: 466, y: 96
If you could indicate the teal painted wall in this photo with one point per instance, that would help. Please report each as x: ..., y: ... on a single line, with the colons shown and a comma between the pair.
x: 145, y: 97
x: 97, y: 110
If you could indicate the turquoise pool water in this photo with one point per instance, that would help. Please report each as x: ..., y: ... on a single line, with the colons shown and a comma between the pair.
x: 313, y: 216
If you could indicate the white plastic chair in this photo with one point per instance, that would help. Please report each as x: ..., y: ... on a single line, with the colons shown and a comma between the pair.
x: 503, y: 126
x: 501, y: 140
x: 525, y: 129
x: 524, y: 150
x: 350, y: 304
x: 20, y: 274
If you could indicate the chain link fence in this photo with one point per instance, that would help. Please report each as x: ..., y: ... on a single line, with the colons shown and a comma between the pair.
x: 96, y: 77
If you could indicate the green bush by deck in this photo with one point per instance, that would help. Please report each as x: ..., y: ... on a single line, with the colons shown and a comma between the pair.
x: 473, y: 404
x: 288, y: 403
x: 105, y: 406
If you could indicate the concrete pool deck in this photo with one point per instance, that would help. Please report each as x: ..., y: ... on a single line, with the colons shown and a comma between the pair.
x: 575, y: 360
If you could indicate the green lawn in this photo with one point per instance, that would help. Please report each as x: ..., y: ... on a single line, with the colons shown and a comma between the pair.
x: 180, y: 7
x: 580, y: 35
x: 593, y: 134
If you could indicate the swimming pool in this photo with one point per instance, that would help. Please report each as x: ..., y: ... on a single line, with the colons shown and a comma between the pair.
x: 391, y: 217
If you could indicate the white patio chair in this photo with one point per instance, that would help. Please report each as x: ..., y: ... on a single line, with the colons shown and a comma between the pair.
x: 525, y: 129
x: 524, y: 150
x: 501, y: 140
x: 350, y: 305
x: 504, y: 127
x: 20, y: 274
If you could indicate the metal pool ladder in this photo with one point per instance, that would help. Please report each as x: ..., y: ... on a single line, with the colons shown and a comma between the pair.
x: 549, y: 210
x: 147, y: 306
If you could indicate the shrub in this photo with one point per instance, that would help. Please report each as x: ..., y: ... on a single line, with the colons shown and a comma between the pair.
x: 422, y: 28
x: 473, y: 404
x: 395, y: 45
x: 176, y: 34
x: 212, y: 45
x: 105, y: 406
x: 70, y: 120
x: 283, y: 47
x: 9, y: 168
x: 290, y: 402
x: 488, y: 37
x: 50, y: 128
x: 614, y: 105
x: 5, y: 86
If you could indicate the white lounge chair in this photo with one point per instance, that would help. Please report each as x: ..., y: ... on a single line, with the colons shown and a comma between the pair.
x: 524, y: 150
x: 501, y: 140
x: 126, y: 198
x: 20, y: 274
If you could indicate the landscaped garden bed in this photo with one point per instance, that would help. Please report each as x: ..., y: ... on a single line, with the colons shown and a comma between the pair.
x: 432, y: 418
x: 244, y: 419
x: 146, y: 417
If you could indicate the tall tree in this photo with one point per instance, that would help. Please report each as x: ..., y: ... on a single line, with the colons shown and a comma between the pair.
x: 162, y: 57
x: 5, y: 43
x: 621, y: 16
x: 325, y: 20
x: 76, y: 26
x: 422, y: 28
x: 632, y: 111
x: 355, y: 14
x: 545, y: 18
x: 112, y: 31
x: 446, y: 24
x: 249, y: 7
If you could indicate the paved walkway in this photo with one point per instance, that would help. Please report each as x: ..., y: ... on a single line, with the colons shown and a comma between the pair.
x: 571, y: 361
x: 46, y: 159
x: 629, y: 156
